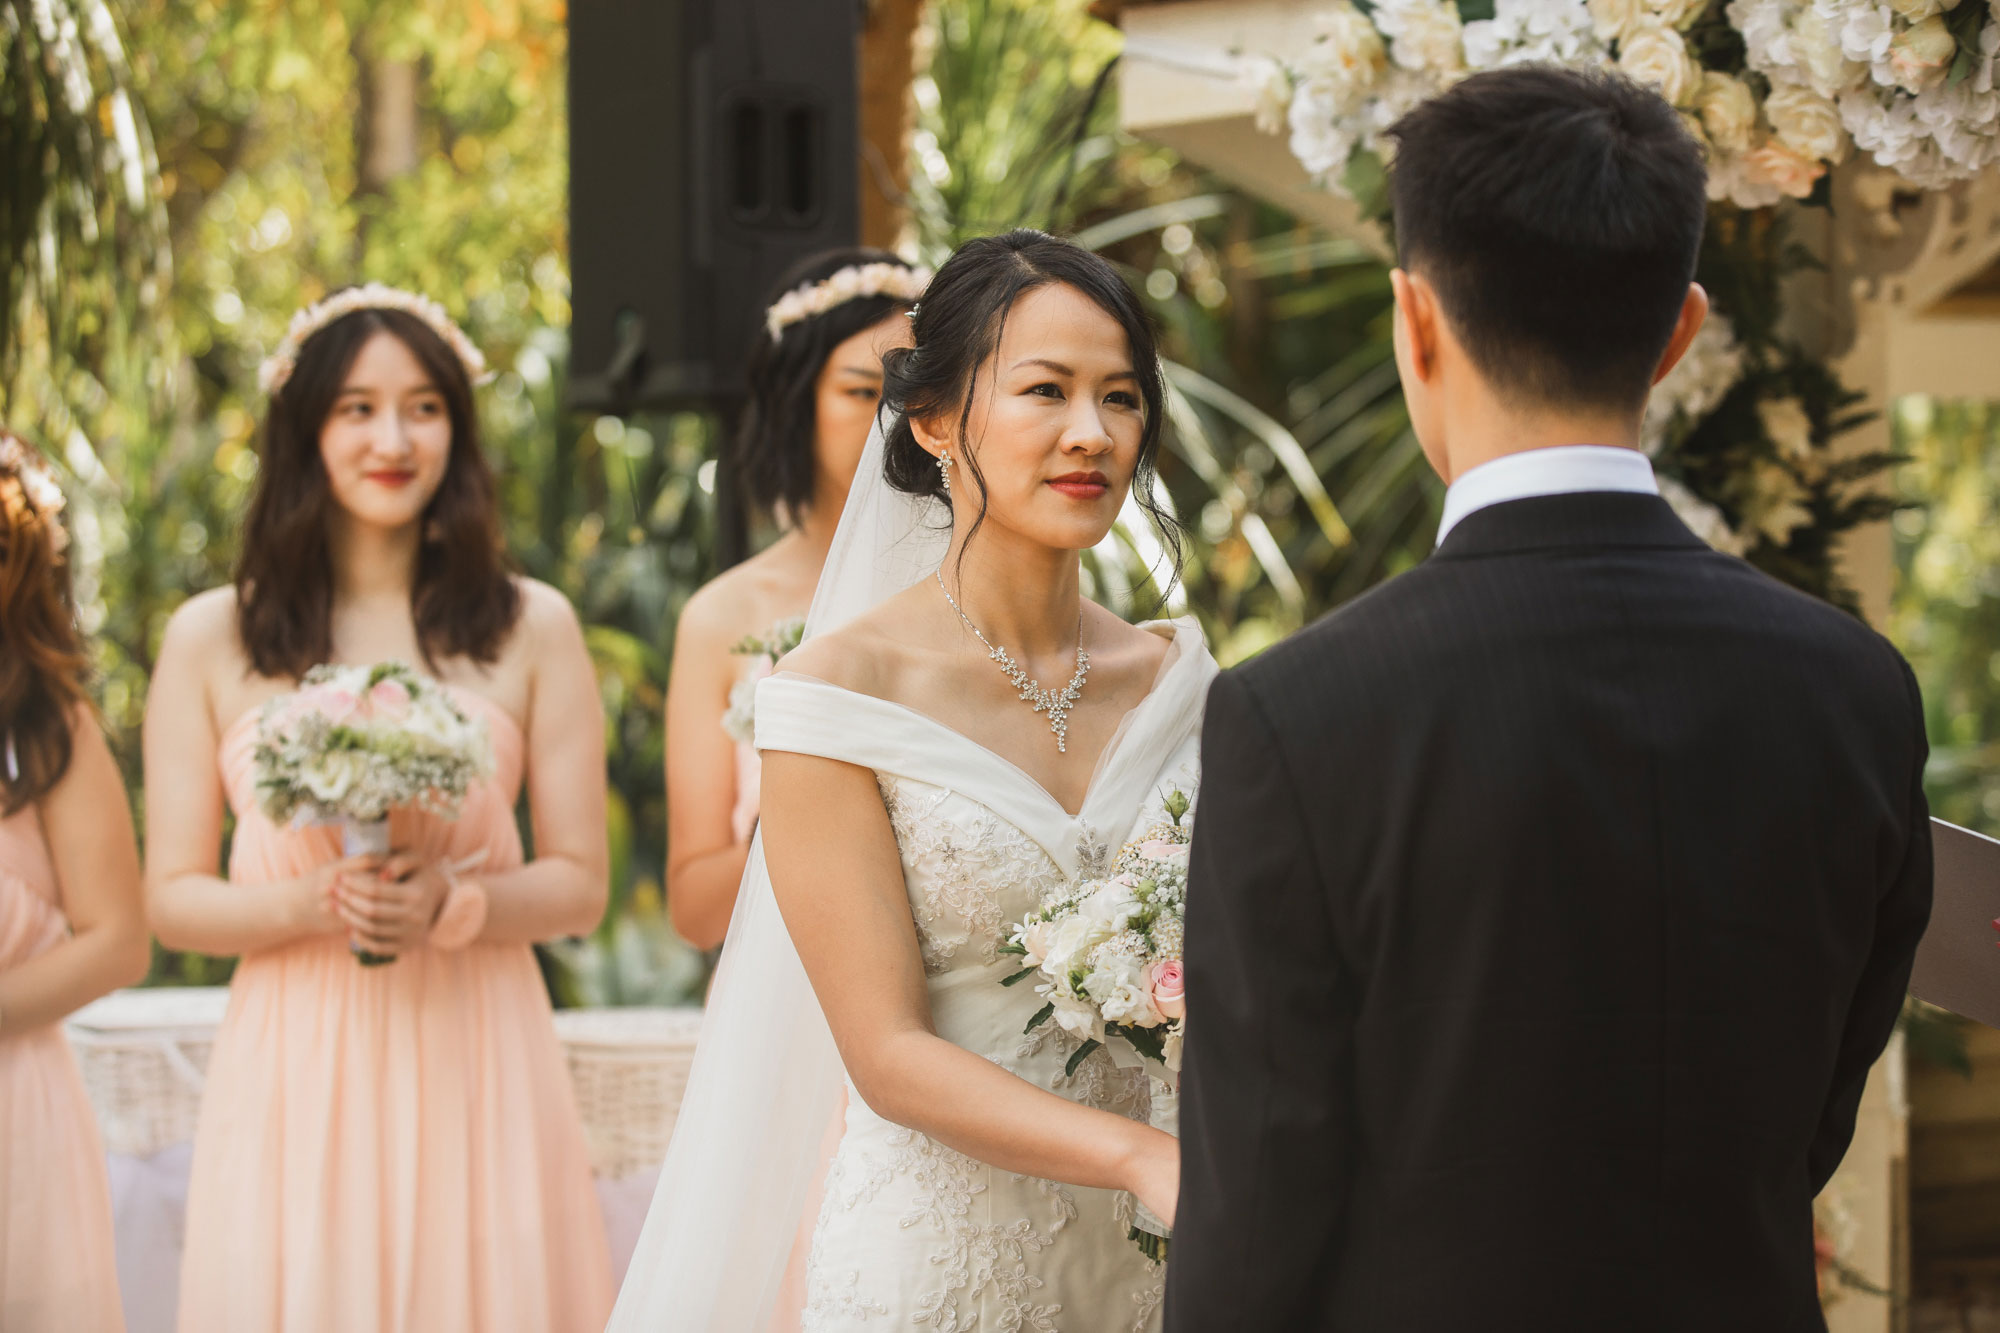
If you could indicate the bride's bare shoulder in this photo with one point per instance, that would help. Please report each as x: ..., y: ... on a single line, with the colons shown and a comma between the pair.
x: 871, y: 654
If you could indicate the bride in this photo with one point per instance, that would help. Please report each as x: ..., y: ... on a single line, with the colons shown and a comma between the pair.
x: 960, y: 733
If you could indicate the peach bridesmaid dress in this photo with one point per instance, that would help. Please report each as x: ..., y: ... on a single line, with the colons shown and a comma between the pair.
x: 58, y: 1270
x: 392, y: 1149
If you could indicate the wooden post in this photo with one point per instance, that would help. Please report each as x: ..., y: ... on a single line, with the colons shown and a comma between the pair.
x: 888, y: 59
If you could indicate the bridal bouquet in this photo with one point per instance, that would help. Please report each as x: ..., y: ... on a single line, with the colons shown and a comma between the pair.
x: 355, y: 742
x: 1107, y: 953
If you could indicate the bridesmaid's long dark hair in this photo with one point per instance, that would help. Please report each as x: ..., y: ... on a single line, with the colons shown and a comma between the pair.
x: 465, y: 600
x: 43, y: 666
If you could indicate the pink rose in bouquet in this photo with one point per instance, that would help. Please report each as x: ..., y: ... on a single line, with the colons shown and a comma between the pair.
x: 1169, y: 988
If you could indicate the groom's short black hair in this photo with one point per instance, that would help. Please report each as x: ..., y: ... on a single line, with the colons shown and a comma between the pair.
x: 1558, y: 215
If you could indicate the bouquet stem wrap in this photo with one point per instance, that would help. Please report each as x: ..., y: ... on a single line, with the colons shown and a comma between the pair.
x: 1148, y: 1232
x: 366, y: 837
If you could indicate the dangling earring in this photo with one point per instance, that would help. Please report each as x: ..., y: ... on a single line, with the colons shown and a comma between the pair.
x: 944, y: 470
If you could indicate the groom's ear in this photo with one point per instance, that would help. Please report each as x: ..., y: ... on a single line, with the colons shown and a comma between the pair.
x: 1417, y: 318
x: 1694, y: 312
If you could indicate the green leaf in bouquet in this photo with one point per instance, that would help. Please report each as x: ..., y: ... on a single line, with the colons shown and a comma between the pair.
x: 1149, y: 1042
x: 1042, y: 1015
x: 1022, y: 975
x: 1014, y: 947
x: 1081, y: 1054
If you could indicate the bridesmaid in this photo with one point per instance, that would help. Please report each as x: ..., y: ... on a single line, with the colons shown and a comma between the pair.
x: 815, y: 382
x: 390, y: 1148
x: 71, y: 924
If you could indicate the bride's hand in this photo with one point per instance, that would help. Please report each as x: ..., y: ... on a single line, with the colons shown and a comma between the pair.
x: 1156, y: 1175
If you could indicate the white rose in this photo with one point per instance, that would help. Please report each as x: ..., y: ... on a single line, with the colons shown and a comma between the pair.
x: 1804, y: 120
x: 1322, y: 139
x: 1677, y: 13
x: 333, y: 776
x: 1728, y: 111
x: 1035, y: 939
x: 1786, y: 423
x: 1078, y: 1018
x: 1916, y: 11
x: 1612, y: 19
x: 1130, y: 1004
x: 1352, y: 46
x: 1921, y: 55
x: 1819, y: 48
x: 1112, y: 907
x: 1112, y: 976
x: 1865, y: 30
x: 1654, y: 54
x: 1784, y: 168
x: 1072, y: 937
x: 1425, y: 36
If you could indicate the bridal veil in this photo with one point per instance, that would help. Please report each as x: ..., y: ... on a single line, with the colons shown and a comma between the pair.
x: 767, y: 1079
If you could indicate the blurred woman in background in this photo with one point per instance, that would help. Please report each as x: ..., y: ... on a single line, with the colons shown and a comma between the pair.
x: 815, y: 381
x: 394, y: 1148
x: 72, y: 925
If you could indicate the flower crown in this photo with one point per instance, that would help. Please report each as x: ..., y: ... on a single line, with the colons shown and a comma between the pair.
x: 905, y: 282
x: 279, y: 365
x: 38, y: 483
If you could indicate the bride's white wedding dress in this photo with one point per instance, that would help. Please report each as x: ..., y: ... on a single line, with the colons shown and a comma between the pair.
x: 911, y: 1234
x: 906, y: 1234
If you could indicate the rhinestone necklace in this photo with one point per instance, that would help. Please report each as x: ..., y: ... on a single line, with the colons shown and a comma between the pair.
x: 1056, y: 705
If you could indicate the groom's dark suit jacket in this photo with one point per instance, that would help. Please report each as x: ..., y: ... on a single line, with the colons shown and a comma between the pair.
x: 1547, y: 909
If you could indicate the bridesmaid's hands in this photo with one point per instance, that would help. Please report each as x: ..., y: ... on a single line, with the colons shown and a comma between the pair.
x: 391, y: 911
x: 318, y: 907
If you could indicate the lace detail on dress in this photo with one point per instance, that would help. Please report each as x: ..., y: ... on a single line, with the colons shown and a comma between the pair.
x: 968, y: 876
x: 844, y: 1301
x: 922, y: 1233
x: 978, y: 1258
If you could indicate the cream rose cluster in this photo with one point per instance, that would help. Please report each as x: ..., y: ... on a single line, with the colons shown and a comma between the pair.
x: 1106, y: 953
x: 1910, y: 82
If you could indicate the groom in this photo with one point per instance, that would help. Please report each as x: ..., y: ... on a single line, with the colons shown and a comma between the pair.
x: 1547, y: 906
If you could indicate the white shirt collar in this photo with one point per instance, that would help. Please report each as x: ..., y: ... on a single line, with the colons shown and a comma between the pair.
x: 1561, y: 470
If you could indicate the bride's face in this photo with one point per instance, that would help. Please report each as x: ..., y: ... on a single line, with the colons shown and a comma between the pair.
x: 1055, y: 423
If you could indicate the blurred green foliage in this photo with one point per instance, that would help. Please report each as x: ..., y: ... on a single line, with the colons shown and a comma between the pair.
x: 1946, y: 612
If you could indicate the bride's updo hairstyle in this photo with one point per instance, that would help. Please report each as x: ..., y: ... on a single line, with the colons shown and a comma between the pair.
x: 958, y: 325
x: 464, y: 600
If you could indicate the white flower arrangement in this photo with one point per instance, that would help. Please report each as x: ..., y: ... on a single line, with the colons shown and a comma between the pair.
x: 355, y: 742
x: 905, y: 282
x: 739, y: 719
x: 1106, y: 955
x: 279, y: 365
x: 38, y: 484
x: 1706, y: 372
x: 1912, y: 82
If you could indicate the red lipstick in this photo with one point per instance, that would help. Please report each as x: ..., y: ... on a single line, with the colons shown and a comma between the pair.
x: 1082, y: 485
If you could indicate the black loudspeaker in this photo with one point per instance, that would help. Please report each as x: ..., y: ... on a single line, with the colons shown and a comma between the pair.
x: 713, y: 143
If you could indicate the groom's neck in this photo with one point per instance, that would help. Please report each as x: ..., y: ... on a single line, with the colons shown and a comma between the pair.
x: 1478, y: 425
